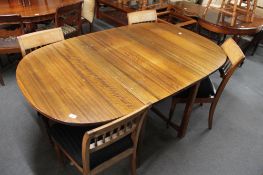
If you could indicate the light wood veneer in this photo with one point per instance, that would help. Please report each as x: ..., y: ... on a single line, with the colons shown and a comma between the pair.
x: 102, y: 76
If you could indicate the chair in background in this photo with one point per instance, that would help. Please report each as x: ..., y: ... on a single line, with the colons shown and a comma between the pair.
x: 95, y: 150
x: 252, y: 42
x: 69, y: 19
x: 10, y: 27
x: 142, y: 17
x: 171, y: 16
x: 88, y: 12
x: 206, y: 92
x: 35, y: 40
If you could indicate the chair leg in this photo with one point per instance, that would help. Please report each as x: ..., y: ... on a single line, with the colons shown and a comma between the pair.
x: 47, y: 126
x: 133, y: 163
x: 2, y: 80
x: 90, y: 27
x: 255, y: 48
x: 59, y: 155
x: 172, y: 109
x: 211, y: 114
x: 188, y: 110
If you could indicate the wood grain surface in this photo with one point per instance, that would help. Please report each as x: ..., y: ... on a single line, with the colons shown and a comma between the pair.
x: 102, y: 76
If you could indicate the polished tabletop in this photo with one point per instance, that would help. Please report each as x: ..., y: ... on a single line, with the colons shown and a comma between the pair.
x: 37, y: 7
x: 213, y: 19
x: 104, y: 75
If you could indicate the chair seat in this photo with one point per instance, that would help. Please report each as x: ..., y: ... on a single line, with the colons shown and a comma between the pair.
x: 9, y: 45
x: 67, y: 29
x: 206, y: 89
x: 70, y: 139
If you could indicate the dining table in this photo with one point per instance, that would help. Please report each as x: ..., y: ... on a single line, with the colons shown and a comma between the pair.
x: 95, y: 78
x: 33, y: 11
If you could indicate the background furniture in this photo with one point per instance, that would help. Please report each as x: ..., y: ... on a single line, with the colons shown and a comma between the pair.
x: 68, y: 17
x: 213, y: 20
x: 88, y: 12
x: 252, y: 42
x: 38, y: 11
x: 10, y: 27
x: 95, y: 150
x: 142, y: 17
x: 232, y: 8
x: 94, y: 79
x: 35, y: 40
x: 206, y: 92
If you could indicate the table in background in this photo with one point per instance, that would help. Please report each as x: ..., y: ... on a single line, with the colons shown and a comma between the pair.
x: 99, y: 77
x: 209, y: 21
x: 39, y: 10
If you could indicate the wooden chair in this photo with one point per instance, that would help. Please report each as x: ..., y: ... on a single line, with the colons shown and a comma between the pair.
x: 252, y: 42
x: 69, y: 19
x: 95, y: 150
x: 232, y: 7
x: 88, y: 12
x: 170, y: 15
x: 35, y: 40
x: 142, y: 17
x: 206, y: 92
x: 10, y: 27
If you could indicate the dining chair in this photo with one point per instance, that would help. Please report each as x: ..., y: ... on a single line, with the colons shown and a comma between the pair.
x: 35, y: 40
x: 252, y: 42
x: 93, y: 151
x: 142, y: 17
x: 207, y: 92
x: 88, y: 12
x: 11, y: 26
x: 69, y: 19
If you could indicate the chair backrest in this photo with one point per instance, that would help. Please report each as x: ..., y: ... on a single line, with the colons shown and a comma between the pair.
x: 108, y: 134
x: 10, y: 25
x: 70, y: 15
x: 88, y: 10
x: 233, y: 52
x: 235, y: 58
x: 142, y: 17
x: 35, y: 40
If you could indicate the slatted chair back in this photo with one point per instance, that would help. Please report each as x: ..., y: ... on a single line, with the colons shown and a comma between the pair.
x: 88, y: 10
x: 35, y: 40
x: 142, y: 17
x: 11, y: 25
x: 69, y: 15
x: 110, y: 133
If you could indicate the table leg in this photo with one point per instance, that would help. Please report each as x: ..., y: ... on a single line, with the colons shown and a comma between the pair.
x: 188, y: 110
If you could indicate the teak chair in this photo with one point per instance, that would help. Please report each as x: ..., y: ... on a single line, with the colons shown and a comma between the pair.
x: 88, y: 12
x: 253, y: 42
x: 206, y: 92
x: 69, y: 19
x: 10, y: 27
x: 142, y: 17
x: 95, y: 150
x: 35, y: 40
x: 171, y: 16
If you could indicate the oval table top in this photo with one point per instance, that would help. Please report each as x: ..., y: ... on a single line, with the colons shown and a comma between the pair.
x: 36, y: 9
x: 102, y: 76
x: 214, y: 21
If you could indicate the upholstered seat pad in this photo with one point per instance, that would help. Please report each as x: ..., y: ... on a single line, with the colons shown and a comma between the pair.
x: 67, y: 29
x: 70, y: 139
x: 10, y: 42
x: 206, y: 89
